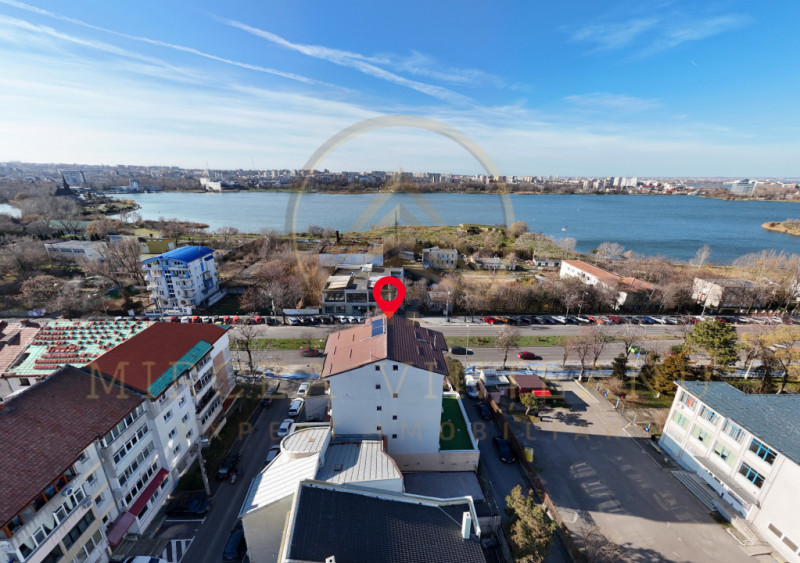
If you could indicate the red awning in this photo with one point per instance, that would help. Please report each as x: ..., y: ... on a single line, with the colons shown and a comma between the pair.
x: 541, y: 393
x: 120, y: 528
x: 148, y: 492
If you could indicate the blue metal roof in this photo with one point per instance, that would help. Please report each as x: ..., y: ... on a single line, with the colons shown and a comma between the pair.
x: 184, y: 254
x: 770, y: 418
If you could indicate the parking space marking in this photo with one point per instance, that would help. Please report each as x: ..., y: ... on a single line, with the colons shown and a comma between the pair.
x: 176, y: 549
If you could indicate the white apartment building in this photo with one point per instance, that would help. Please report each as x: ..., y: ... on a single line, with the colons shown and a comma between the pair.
x: 182, y: 279
x: 630, y: 291
x: 72, y: 250
x: 386, y: 381
x: 747, y: 449
x: 57, y: 488
x: 348, y: 290
x: 439, y: 258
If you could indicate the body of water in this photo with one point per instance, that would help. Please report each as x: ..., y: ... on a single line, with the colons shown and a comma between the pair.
x: 6, y: 209
x: 671, y: 226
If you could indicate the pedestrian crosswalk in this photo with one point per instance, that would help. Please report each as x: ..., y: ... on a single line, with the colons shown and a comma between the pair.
x: 175, y: 550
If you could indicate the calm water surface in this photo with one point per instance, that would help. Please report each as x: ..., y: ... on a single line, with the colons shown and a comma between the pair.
x: 672, y: 226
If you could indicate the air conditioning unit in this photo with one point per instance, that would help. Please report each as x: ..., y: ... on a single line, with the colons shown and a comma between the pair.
x: 87, y: 502
x: 68, y: 490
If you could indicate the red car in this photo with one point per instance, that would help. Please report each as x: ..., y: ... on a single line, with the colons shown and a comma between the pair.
x: 528, y: 356
x: 309, y: 352
x: 490, y: 320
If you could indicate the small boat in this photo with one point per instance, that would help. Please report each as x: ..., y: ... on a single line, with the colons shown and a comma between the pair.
x: 563, y: 228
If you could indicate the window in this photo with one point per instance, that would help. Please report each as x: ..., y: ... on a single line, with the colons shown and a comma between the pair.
x: 394, y: 417
x: 182, y: 401
x: 708, y: 414
x: 699, y: 433
x: 189, y: 434
x: 733, y: 431
x: 91, y: 478
x: 394, y: 395
x: 54, y: 556
x: 762, y: 451
x: 168, y: 415
x: 24, y: 382
x: 724, y: 452
x: 172, y: 433
x: 394, y: 436
x: 77, y: 530
x: 680, y: 420
x: 377, y: 386
x: 379, y: 407
x: 377, y: 368
x: 98, y: 500
x: 177, y: 449
x: 751, y: 475
x: 688, y: 401
x: 395, y: 368
x: 380, y: 428
x: 185, y: 418
x: 83, y: 456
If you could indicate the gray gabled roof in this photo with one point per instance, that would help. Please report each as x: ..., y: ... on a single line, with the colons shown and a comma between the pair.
x: 358, y: 526
x: 773, y: 419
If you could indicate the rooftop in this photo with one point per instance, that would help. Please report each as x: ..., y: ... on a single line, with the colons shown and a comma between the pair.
x: 359, y: 277
x: 629, y: 283
x: 401, y: 341
x: 150, y: 361
x: 764, y: 416
x: 329, y: 521
x: 47, y: 427
x: 357, y: 462
x: 455, y: 433
x: 72, y: 342
x: 527, y: 381
x: 14, y: 338
x: 183, y: 254
x: 728, y: 282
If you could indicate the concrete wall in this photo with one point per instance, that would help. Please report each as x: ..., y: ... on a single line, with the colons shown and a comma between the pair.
x: 779, y: 509
x: 442, y: 461
x: 357, y: 394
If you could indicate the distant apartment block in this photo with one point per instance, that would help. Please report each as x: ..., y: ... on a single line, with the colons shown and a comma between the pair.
x: 743, y: 187
x: 440, y: 258
x: 630, y: 291
x: 746, y: 448
x: 182, y: 279
x: 348, y: 290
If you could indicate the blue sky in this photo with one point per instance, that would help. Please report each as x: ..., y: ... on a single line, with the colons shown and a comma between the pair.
x: 582, y: 88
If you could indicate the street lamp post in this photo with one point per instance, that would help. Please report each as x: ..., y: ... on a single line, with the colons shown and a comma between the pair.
x: 580, y: 304
x: 447, y: 309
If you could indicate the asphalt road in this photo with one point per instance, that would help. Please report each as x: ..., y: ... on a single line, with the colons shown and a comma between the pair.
x: 211, y: 534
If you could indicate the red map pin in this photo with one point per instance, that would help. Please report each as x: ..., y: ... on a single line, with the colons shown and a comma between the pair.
x: 389, y: 307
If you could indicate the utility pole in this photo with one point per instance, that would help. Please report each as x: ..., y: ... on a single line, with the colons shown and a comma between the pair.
x: 203, y: 470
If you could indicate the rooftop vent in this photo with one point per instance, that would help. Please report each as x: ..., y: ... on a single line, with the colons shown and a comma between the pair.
x: 466, y: 525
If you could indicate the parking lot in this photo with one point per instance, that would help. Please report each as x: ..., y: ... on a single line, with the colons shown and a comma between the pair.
x: 599, y: 470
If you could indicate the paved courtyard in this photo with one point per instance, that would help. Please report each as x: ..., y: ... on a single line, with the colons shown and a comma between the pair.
x: 597, y: 473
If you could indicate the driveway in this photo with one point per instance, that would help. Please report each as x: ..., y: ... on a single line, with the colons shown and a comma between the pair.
x: 596, y: 472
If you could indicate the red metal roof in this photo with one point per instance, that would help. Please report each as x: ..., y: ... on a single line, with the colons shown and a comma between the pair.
x: 120, y: 528
x: 140, y: 360
x: 148, y: 492
x: 45, y: 429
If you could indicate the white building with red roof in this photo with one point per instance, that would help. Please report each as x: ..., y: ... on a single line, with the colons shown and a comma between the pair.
x: 630, y: 291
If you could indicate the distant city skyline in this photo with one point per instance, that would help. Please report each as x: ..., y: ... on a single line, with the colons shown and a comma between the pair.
x: 665, y: 90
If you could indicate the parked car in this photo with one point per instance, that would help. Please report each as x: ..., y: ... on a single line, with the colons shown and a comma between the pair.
x: 283, y: 429
x: 303, y: 389
x: 188, y: 505
x: 236, y: 546
x: 483, y: 410
x: 528, y: 356
x: 490, y: 320
x: 229, y: 464
x: 272, y: 454
x: 458, y: 350
x: 504, y: 449
x: 472, y: 391
x: 144, y: 559
x: 309, y: 352
x: 296, y: 407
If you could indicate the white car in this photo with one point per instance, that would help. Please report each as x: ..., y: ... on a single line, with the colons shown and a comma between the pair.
x: 302, y: 391
x: 296, y: 407
x: 283, y: 429
x: 272, y: 454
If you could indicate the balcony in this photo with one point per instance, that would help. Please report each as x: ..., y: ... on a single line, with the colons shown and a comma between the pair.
x: 205, y: 400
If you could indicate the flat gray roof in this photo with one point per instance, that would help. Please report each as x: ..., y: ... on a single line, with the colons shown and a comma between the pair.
x: 771, y: 418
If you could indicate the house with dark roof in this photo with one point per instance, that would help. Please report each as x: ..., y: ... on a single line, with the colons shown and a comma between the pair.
x: 59, y: 472
x: 330, y: 522
x: 386, y: 381
x: 743, y: 452
x: 182, y: 279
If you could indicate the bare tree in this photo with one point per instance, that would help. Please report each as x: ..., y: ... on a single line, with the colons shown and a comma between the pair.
x: 597, y: 336
x: 120, y: 263
x: 567, y: 245
x: 21, y: 254
x: 630, y: 335
x: 568, y: 346
x: 599, y: 549
x: 244, y: 340
x: 701, y: 256
x: 506, y: 337
x: 517, y: 228
x: 570, y: 292
x: 40, y: 290
x: 609, y: 251
x: 582, y: 346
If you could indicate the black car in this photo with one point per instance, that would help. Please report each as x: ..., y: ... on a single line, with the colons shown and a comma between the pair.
x: 504, y: 449
x: 188, y: 506
x: 484, y: 411
x: 236, y: 546
x: 228, y: 466
x: 458, y: 350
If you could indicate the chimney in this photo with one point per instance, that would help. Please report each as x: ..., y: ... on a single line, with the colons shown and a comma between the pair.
x: 337, y: 237
x: 466, y: 525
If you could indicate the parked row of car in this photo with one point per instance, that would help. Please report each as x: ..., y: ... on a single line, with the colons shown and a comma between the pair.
x: 638, y: 319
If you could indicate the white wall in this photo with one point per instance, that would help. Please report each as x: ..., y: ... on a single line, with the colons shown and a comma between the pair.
x: 780, y: 508
x: 418, y: 405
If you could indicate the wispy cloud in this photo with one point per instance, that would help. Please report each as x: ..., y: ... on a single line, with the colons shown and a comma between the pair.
x: 656, y: 33
x: 604, y: 101
x: 355, y: 61
x: 420, y: 64
x: 165, y: 44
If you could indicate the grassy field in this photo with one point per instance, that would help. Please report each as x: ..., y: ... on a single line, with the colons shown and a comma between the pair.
x: 281, y: 343
x: 488, y: 341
